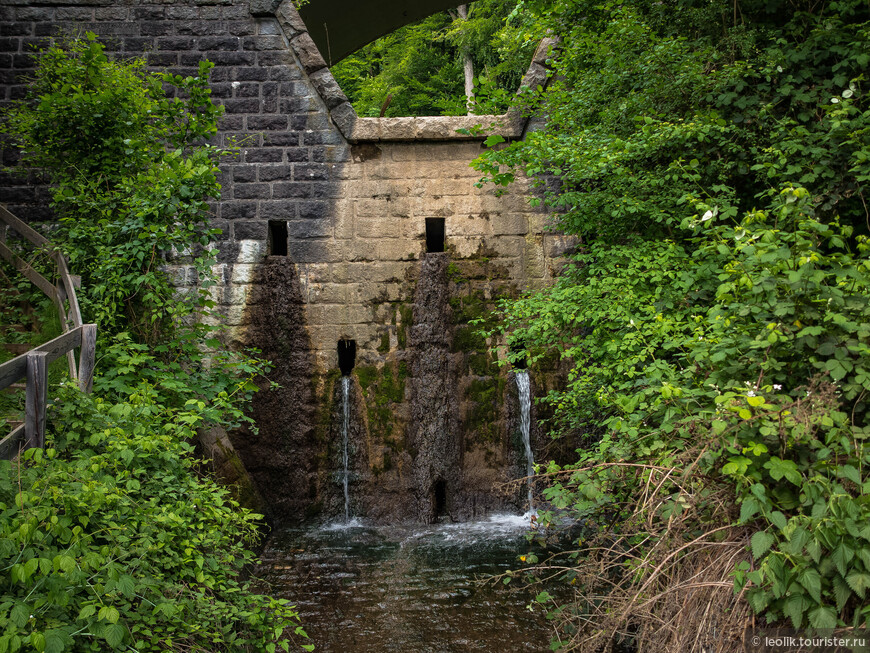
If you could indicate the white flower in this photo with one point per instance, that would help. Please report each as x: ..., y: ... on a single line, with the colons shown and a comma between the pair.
x: 751, y: 393
x: 707, y: 216
x: 777, y: 386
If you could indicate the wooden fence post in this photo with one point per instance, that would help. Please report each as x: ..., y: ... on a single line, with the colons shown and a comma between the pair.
x: 87, y: 357
x: 37, y: 394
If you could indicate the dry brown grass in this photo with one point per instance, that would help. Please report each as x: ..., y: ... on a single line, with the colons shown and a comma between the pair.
x: 657, y: 585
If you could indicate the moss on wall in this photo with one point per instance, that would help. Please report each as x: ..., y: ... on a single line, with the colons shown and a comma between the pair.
x: 383, y: 389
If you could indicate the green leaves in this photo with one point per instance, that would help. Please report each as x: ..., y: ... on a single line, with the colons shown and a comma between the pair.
x: 761, y: 543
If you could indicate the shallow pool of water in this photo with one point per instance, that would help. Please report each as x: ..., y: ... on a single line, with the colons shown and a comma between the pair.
x: 408, y: 589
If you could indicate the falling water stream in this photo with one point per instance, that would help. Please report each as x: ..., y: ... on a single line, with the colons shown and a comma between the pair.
x: 345, y: 429
x: 525, y: 395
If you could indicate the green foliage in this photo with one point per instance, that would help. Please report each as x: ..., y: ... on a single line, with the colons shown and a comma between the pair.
x: 419, y: 67
x: 714, y: 165
x: 111, y: 540
x: 131, y: 177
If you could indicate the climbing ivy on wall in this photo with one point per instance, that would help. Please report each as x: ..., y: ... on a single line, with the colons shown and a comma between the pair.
x: 713, y: 160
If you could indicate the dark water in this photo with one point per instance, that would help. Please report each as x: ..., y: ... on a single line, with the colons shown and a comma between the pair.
x: 408, y: 589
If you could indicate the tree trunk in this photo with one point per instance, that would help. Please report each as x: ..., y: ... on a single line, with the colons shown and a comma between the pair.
x: 467, y: 65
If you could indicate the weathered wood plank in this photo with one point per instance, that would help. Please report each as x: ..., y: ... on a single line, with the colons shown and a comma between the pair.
x: 22, y: 228
x: 12, y: 443
x: 87, y: 357
x: 24, y: 268
x: 12, y: 371
x: 70, y: 288
x: 34, y: 403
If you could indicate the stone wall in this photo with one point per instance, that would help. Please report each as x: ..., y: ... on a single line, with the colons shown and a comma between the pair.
x: 353, y: 196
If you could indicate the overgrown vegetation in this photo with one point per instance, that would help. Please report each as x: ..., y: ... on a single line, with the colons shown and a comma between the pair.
x: 712, y: 160
x: 418, y: 70
x: 112, y: 539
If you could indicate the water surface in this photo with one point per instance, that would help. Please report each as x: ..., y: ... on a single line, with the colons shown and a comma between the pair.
x: 408, y: 589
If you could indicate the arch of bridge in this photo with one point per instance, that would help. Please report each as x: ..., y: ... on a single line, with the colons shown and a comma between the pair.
x: 341, y: 27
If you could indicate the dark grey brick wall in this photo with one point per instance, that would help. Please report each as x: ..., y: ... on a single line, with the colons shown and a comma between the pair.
x: 289, y: 157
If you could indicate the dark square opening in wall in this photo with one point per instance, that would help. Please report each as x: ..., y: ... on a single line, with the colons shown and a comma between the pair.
x: 434, y: 234
x: 346, y: 356
x: 277, y: 238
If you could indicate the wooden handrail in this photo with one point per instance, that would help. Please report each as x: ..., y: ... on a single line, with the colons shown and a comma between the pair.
x: 33, y: 365
x: 65, y: 290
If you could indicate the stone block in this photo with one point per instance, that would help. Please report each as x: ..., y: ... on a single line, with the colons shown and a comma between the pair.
x: 322, y: 137
x: 251, y: 251
x: 263, y: 42
x: 382, y: 208
x: 235, y: 295
x: 264, y: 7
x: 249, y: 230
x: 558, y: 245
x: 315, y: 210
x: 328, y: 293
x: 399, y: 250
x: 468, y: 225
x: 344, y: 117
x: 238, y: 210
x: 279, y: 210
x: 431, y: 208
x: 270, y: 155
x: 377, y: 228
x: 251, y: 191
x: 289, y: 19
x: 242, y: 105
x: 251, y: 74
x: 326, y: 190
x: 277, y: 172
x: 309, y: 228
x: 243, y: 273
x: 290, y: 189
x: 278, y: 58
x: 307, y: 52
x: 315, y: 251
x: 315, y: 272
x: 310, y: 171
x: 509, y: 224
x: 376, y: 271
x: 282, y: 139
x: 343, y: 221
x: 328, y: 89
x: 365, y: 130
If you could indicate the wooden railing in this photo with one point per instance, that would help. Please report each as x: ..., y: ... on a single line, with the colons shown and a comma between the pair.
x: 33, y: 365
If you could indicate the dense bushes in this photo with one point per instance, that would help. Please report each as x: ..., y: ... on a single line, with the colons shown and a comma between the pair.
x: 713, y: 159
x: 111, y: 538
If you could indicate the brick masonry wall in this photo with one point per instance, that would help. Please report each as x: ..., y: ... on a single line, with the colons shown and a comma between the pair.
x: 353, y: 193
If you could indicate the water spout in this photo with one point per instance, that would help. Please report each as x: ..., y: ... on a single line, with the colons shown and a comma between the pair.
x: 345, y: 430
x: 525, y: 397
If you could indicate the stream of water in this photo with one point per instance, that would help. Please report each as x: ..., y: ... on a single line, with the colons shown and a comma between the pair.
x: 408, y: 589
x: 525, y: 396
x: 345, y: 430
